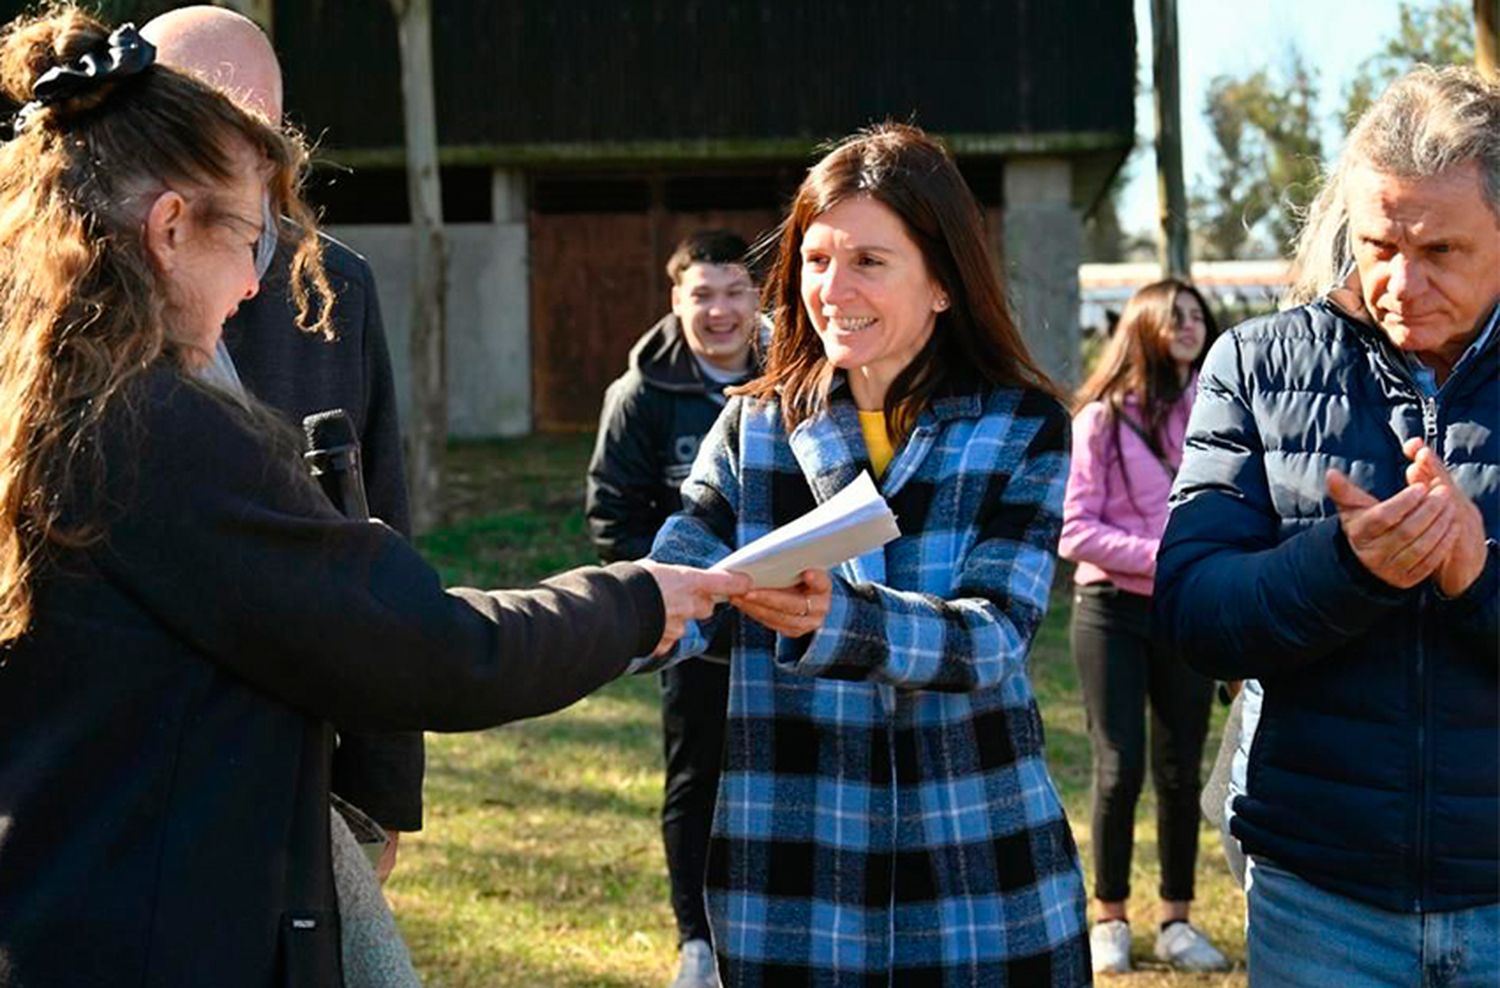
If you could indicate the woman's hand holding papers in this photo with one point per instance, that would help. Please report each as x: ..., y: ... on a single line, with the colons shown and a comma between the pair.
x: 794, y: 611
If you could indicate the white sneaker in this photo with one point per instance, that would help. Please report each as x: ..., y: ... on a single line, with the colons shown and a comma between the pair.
x: 696, y: 968
x: 1109, y: 943
x: 1184, y: 946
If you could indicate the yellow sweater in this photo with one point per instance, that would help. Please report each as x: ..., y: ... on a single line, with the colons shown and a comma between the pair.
x: 877, y: 441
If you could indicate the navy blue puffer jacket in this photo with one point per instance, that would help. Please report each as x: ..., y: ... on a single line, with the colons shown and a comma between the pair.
x: 1375, y: 770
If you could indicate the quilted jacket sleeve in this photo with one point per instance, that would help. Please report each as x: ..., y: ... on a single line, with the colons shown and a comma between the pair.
x: 1230, y: 599
x: 1475, y: 614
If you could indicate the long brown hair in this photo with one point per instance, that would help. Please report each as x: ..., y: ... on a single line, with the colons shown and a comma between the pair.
x: 1137, y: 362
x: 82, y: 308
x: 975, y: 343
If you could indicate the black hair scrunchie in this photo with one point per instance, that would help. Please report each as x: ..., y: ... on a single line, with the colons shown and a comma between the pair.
x: 123, y: 54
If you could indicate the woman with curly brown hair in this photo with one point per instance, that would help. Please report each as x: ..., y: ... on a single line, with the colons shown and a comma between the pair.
x: 183, y: 616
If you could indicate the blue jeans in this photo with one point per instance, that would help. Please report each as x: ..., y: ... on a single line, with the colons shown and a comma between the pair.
x: 1301, y: 935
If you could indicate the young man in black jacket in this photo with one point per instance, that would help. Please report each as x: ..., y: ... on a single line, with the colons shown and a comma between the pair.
x: 653, y: 419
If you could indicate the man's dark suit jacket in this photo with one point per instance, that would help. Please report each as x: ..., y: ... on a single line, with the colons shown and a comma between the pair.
x: 301, y: 373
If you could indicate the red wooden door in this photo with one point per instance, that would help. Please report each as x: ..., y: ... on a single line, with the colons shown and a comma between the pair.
x: 598, y: 281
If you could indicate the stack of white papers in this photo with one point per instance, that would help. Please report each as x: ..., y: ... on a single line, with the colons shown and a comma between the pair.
x: 849, y: 524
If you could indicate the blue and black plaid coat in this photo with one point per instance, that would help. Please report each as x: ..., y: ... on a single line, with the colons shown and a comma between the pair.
x: 885, y: 814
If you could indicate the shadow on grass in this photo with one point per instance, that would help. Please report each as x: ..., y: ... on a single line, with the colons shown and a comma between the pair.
x: 494, y: 965
x: 538, y: 912
x: 570, y: 872
x: 512, y: 787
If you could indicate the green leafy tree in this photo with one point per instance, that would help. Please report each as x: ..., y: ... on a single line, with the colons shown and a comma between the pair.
x: 1287, y: 119
x: 1264, y: 166
x: 1268, y: 139
x: 1437, y: 33
x: 1227, y: 207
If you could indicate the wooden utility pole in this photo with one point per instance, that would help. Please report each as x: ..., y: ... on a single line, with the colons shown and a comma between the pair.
x: 259, y: 11
x: 1171, y: 195
x: 1487, y: 37
x: 429, y: 370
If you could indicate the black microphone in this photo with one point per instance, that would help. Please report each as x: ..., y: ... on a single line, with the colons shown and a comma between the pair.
x: 333, y: 456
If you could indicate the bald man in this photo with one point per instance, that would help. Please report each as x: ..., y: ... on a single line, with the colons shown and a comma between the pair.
x: 300, y: 374
x: 225, y: 49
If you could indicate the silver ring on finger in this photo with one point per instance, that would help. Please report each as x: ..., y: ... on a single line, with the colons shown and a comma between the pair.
x: 806, y: 606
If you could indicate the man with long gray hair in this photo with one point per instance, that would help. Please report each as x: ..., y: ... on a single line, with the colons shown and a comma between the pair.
x: 1333, y: 536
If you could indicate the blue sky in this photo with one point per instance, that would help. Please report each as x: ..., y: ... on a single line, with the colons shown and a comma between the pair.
x: 1236, y: 37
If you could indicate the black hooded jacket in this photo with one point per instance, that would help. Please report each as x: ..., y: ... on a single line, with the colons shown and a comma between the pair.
x: 654, y: 417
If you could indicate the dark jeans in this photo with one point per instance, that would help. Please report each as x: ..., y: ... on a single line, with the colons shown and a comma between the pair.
x: 1119, y: 672
x: 694, y: 694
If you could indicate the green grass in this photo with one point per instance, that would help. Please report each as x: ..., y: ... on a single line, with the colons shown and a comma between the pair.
x: 541, y: 861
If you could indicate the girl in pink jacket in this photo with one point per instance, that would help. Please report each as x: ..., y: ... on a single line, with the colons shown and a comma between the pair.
x: 1127, y: 442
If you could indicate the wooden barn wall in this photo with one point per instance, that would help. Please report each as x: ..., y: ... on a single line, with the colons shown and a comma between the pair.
x: 598, y: 281
x: 607, y: 72
x: 591, y: 71
x: 599, y: 246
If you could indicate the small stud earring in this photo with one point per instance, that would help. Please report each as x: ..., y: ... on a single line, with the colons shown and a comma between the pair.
x: 941, y: 304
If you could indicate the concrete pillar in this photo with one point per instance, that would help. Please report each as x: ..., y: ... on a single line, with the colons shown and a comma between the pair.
x: 508, y: 195
x: 1043, y: 240
x: 489, y: 332
x: 489, y: 312
x: 489, y: 383
x: 506, y: 370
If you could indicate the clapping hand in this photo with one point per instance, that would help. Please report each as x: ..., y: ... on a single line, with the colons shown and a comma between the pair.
x: 792, y: 611
x: 1418, y: 531
x: 690, y: 594
x: 1465, y: 558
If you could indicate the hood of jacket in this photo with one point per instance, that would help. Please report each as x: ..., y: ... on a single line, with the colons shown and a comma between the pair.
x: 664, y: 360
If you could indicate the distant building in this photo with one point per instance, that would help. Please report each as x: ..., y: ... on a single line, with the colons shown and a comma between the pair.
x: 1235, y: 289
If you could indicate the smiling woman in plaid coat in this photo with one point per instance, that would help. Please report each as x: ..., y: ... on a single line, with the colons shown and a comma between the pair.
x: 885, y: 815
